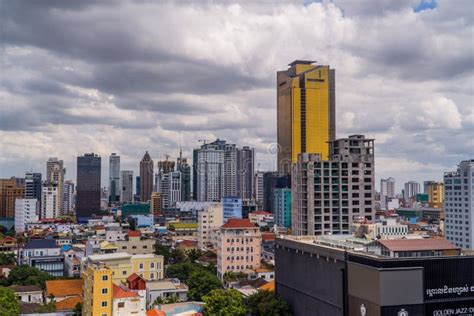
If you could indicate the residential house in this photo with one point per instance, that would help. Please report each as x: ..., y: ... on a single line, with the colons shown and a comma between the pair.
x: 43, y: 254
x: 166, y: 288
x: 28, y: 293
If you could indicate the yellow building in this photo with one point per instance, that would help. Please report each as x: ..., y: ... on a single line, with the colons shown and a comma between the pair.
x: 97, y: 291
x: 155, y: 203
x: 305, y: 111
x: 122, y: 265
x: 436, y: 194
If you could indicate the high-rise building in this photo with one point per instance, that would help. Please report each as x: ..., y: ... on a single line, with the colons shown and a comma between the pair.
x: 328, y: 194
x: 49, y: 201
x: 259, y: 188
x: 146, y: 177
x: 209, y: 220
x: 114, y: 178
x: 306, y: 111
x: 387, y: 187
x: 426, y: 184
x: 68, y: 197
x: 220, y: 170
x: 126, y: 187
x: 155, y: 203
x: 272, y: 181
x: 459, y: 205
x: 26, y: 211
x: 10, y: 190
x: 137, y: 188
x: 88, y: 188
x: 185, y: 169
x: 169, y: 187
x: 435, y: 194
x: 55, y: 173
x: 282, y: 208
x: 33, y: 185
x: 412, y: 188
x: 245, y: 172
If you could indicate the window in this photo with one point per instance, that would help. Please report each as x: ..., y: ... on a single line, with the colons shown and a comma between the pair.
x: 152, y: 265
x: 105, y: 290
x: 121, y: 305
x: 105, y: 278
x: 104, y: 303
x: 141, y: 266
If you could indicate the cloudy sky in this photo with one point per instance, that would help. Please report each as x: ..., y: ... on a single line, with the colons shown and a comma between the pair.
x: 130, y: 76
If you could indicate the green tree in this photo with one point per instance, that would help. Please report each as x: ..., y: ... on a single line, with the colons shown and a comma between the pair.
x: 177, y: 256
x: 265, y: 303
x: 194, y: 254
x: 7, y: 258
x: 8, y: 303
x: 234, y: 276
x: 77, y: 309
x: 200, y: 283
x: 26, y: 275
x: 164, y: 251
x: 224, y: 303
x: 182, y: 270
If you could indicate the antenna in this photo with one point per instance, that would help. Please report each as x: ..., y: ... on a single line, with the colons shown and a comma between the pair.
x: 180, y: 148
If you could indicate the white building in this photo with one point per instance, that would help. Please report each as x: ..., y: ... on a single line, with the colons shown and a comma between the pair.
x: 28, y: 293
x: 127, y: 302
x: 208, y: 220
x: 50, y: 201
x: 26, y: 211
x: 459, y: 205
x: 166, y: 288
x: 114, y: 178
x: 387, y: 187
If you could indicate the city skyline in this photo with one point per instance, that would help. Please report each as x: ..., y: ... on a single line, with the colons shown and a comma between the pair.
x: 114, y: 97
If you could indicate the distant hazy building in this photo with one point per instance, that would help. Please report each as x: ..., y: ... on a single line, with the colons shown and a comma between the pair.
x: 282, y: 207
x: 166, y: 166
x: 412, y: 188
x: 387, y: 187
x: 146, y: 177
x: 68, y: 197
x: 88, y: 187
x: 137, y: 188
x: 223, y: 170
x: 33, y: 185
x: 328, y: 194
x: 169, y: 187
x: 245, y: 172
x: 26, y: 211
x: 114, y: 178
x: 50, y: 207
x: 10, y: 190
x: 306, y: 118
x: 185, y: 169
x: 55, y: 173
x: 459, y: 205
x: 155, y: 203
x: 126, y: 186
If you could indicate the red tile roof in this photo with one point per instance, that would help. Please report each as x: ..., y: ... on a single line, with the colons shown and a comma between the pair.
x: 68, y: 304
x: 61, y: 288
x: 120, y: 292
x: 418, y: 244
x: 239, y: 223
x: 133, y: 277
x: 268, y: 237
x: 134, y: 233
x: 155, y: 312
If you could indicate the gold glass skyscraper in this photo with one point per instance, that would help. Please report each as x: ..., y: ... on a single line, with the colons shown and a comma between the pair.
x: 306, y: 106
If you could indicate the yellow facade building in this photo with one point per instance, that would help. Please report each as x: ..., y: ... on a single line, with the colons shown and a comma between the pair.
x: 97, y: 291
x: 305, y: 111
x: 122, y: 265
x: 436, y: 194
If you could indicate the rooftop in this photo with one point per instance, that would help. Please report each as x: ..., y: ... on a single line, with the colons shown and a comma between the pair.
x: 59, y: 288
x: 301, y: 62
x: 418, y: 244
x: 239, y: 223
x: 121, y: 292
x: 24, y: 288
x: 68, y: 303
x: 134, y: 233
x: 41, y: 244
x: 109, y: 256
x: 260, y: 213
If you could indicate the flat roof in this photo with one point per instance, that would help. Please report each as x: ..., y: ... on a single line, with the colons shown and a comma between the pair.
x: 418, y: 244
x: 109, y: 256
x: 301, y: 62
